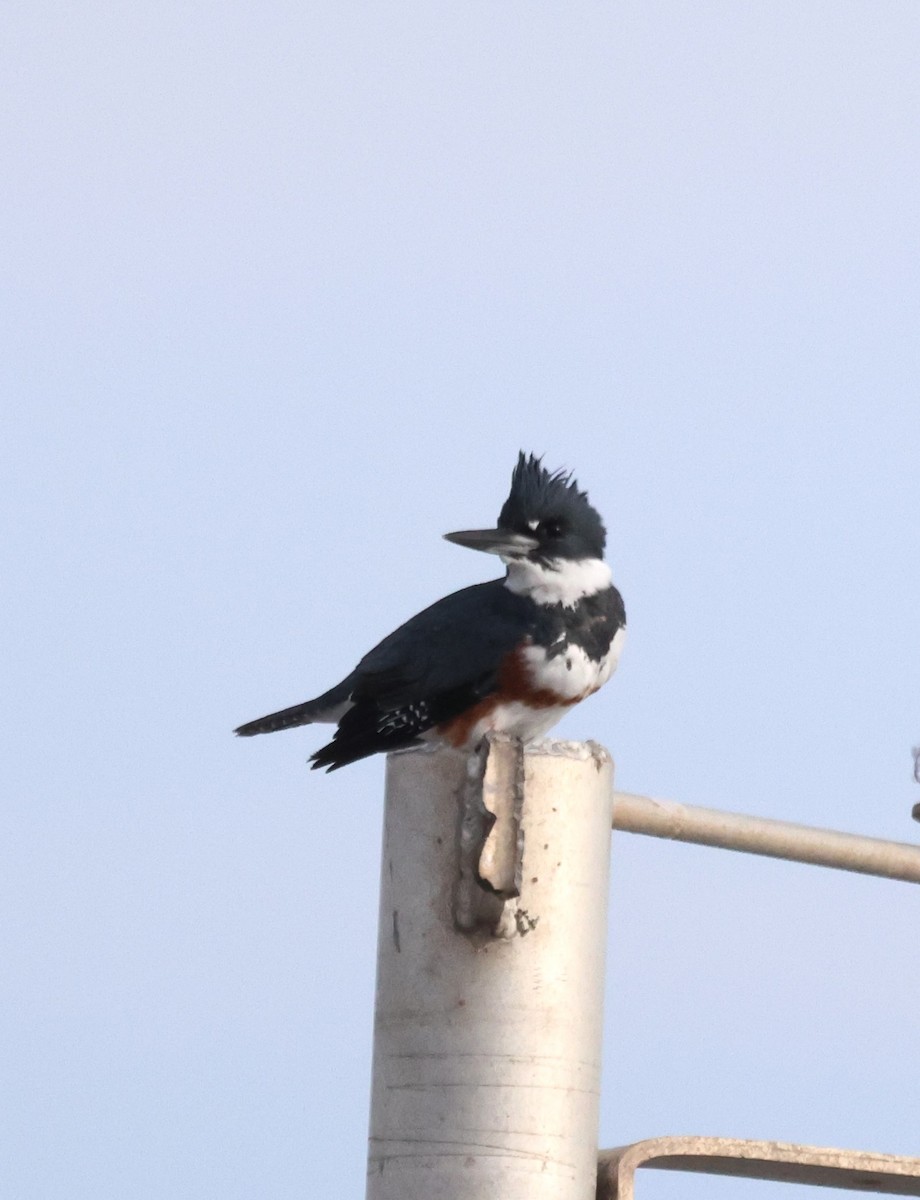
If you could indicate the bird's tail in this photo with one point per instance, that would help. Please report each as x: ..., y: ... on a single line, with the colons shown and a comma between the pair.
x: 328, y: 707
x: 287, y: 718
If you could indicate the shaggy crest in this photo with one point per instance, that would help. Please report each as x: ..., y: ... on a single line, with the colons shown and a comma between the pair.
x: 539, y: 495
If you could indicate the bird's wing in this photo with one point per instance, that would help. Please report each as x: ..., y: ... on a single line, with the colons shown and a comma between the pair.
x: 457, y: 643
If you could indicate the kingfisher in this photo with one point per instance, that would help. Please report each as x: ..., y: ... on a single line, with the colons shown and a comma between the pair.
x: 509, y: 656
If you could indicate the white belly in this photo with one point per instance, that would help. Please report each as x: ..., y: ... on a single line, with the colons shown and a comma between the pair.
x: 572, y: 675
x: 518, y: 720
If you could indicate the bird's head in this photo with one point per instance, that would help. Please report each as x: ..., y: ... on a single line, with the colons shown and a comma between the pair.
x: 545, y: 520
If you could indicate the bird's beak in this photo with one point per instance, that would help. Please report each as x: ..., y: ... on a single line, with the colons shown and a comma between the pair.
x: 505, y: 542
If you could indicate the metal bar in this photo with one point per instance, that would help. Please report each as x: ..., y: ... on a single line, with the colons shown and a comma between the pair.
x: 759, y: 835
x: 487, y: 1036
x: 779, y: 1162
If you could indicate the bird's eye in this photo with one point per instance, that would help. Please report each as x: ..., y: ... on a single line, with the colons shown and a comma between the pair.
x: 551, y: 527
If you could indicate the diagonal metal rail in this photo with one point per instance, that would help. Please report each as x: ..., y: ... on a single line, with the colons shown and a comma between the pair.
x: 759, y: 835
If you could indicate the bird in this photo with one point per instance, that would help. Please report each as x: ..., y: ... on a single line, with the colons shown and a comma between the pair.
x: 511, y: 655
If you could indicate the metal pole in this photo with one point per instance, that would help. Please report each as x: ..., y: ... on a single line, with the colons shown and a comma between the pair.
x: 487, y: 1040
x: 759, y: 835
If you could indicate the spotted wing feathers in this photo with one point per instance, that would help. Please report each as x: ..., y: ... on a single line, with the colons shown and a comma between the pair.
x: 428, y: 671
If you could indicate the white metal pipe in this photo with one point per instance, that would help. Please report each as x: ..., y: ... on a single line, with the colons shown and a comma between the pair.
x: 783, y: 1162
x: 487, y: 1049
x: 758, y: 835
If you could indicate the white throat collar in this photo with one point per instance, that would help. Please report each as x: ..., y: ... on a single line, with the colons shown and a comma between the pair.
x: 565, y: 581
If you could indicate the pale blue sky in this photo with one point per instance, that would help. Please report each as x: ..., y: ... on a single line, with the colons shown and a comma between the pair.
x: 285, y: 289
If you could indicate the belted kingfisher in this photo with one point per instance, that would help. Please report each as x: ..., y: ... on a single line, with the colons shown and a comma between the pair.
x: 509, y: 656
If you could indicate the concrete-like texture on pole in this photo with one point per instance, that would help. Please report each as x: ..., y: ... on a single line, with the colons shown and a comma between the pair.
x: 487, y: 1048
